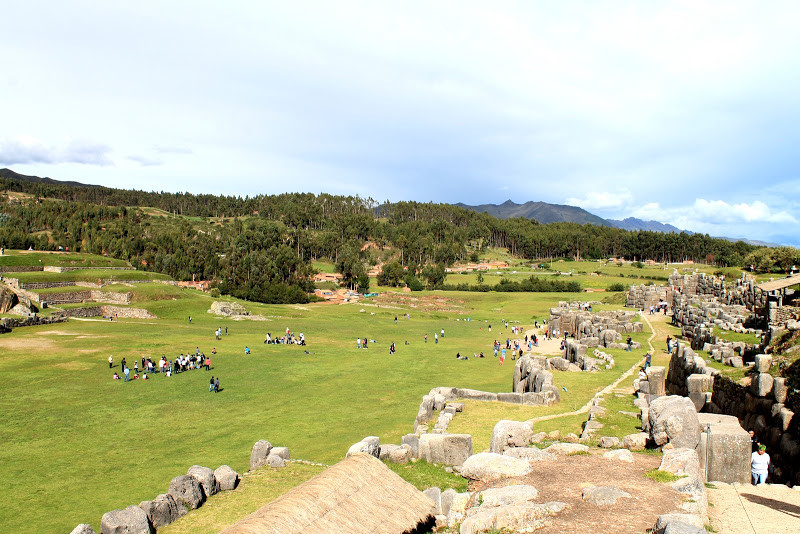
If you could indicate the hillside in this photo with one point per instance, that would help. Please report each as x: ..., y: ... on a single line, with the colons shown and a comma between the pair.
x: 8, y: 174
x: 632, y: 224
x: 540, y: 211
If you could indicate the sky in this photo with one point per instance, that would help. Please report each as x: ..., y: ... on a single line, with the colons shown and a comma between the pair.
x: 682, y: 112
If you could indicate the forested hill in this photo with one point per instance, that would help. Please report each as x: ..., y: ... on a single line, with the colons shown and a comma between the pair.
x: 541, y: 211
x: 260, y: 247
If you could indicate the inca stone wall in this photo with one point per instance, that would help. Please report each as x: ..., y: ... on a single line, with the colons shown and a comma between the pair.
x: 761, y: 402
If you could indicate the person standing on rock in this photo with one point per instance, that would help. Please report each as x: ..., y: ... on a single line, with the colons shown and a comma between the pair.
x: 759, y: 462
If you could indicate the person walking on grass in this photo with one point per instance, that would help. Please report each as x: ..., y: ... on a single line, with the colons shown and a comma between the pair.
x: 211, y: 385
x: 110, y: 361
x: 216, y: 385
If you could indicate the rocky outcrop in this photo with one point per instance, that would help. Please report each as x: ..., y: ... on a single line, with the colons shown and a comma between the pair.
x: 163, y: 510
x: 488, y: 466
x: 131, y: 520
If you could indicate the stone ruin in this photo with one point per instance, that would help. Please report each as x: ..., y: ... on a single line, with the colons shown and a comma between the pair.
x: 228, y: 309
x: 593, y: 329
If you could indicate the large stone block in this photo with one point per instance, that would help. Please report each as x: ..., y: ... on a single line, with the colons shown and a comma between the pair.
x: 187, y: 490
x: 673, y: 419
x: 205, y: 477
x: 779, y: 389
x: 412, y: 440
x: 447, y: 449
x: 762, y: 363
x: 724, y: 449
x: 131, y: 520
x: 762, y: 384
x: 228, y: 478
x: 487, y: 466
x: 163, y: 510
x: 655, y: 378
x: 700, y: 383
x: 473, y: 394
x: 508, y: 434
x: 259, y: 454
x: 513, y: 398
x: 369, y: 445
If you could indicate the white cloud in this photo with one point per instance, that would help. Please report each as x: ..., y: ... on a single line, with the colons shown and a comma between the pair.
x: 603, y: 200
x: 25, y: 149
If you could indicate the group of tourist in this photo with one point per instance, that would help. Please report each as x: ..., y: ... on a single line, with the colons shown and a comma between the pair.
x: 182, y: 363
x: 288, y: 339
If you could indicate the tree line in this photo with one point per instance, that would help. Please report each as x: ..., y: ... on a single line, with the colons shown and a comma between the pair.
x: 261, y: 247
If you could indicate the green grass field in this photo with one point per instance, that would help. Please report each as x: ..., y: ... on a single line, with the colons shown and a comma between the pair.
x: 77, y: 444
x: 57, y: 259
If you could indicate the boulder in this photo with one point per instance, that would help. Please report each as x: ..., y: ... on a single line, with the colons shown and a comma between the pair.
x: 206, y: 478
x: 762, y: 363
x: 688, y: 519
x: 83, y: 528
x: 679, y: 527
x: 673, y: 419
x: 464, y: 393
x: 508, y: 495
x: 258, y: 456
x: 530, y: 454
x: 273, y: 460
x: 488, y: 466
x: 512, y: 398
x: 283, y: 452
x: 412, y: 440
x: 635, y: 442
x: 608, y: 442
x: 681, y: 462
x: 8, y: 299
x: 188, y: 491
x: 762, y: 385
x: 447, y: 449
x: 434, y: 494
x: 400, y: 455
x: 622, y: 455
x: 385, y: 450
x: 163, y: 510
x: 522, y: 517
x: 559, y: 364
x: 228, y: 478
x: 565, y: 449
x: 779, y: 389
x: 510, y: 434
x: 603, y: 495
x: 369, y: 445
x: 131, y: 520
x: 447, y: 498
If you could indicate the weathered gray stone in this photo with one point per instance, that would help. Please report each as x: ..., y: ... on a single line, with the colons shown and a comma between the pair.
x: 400, y: 455
x: 273, y: 460
x: 679, y: 527
x: 205, y: 477
x: 699, y: 383
x: 83, y: 528
x: 488, y: 466
x: 784, y: 418
x: 163, y: 510
x: 530, y: 454
x: 724, y: 449
x: 655, y: 379
x: 622, y: 455
x: 603, y: 495
x: 258, y: 456
x: 448, y: 496
x: 450, y: 394
x: 681, y: 462
x: 665, y: 519
x: 608, y: 442
x: 762, y: 384
x: 506, y: 495
x: 369, y: 445
x: 439, y: 402
x: 635, y: 442
x: 228, y: 478
x: 512, y: 398
x: 559, y: 364
x: 425, y: 412
x: 412, y: 440
x: 565, y: 449
x: 779, y: 389
x: 386, y: 449
x: 523, y: 517
x: 283, y: 452
x: 762, y: 363
x: 459, y: 406
x: 188, y: 491
x: 131, y: 520
x: 674, y: 419
x: 510, y: 434
x: 434, y: 494
x: 539, y: 437
x: 447, y: 449
x: 473, y: 394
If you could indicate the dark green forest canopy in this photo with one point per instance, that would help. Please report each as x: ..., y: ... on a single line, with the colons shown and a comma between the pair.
x: 260, y: 247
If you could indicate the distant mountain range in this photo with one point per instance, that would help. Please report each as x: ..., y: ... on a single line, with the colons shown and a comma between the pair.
x: 550, y: 213
x: 541, y: 211
x: 11, y: 175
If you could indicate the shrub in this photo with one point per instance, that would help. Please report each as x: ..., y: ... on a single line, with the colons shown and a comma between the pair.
x: 617, y: 286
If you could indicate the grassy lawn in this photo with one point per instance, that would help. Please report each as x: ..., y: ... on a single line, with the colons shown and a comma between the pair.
x: 57, y: 259
x: 88, y: 275
x: 77, y: 444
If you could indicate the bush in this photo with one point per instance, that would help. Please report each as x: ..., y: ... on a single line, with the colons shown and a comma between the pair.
x: 214, y: 293
x: 638, y: 265
x: 617, y: 286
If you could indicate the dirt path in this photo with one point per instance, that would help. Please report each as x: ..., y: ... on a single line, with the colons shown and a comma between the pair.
x: 744, y: 509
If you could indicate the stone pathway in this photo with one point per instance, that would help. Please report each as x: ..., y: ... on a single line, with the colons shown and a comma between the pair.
x: 744, y: 509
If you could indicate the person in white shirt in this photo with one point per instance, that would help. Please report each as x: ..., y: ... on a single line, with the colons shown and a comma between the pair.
x: 759, y: 461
